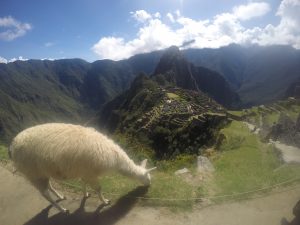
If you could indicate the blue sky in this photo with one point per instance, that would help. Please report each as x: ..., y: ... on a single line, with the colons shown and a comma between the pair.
x: 95, y: 29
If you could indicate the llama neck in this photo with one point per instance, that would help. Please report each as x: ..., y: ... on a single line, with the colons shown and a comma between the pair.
x: 128, y: 168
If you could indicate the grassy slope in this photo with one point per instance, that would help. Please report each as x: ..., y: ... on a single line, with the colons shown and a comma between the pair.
x: 271, y: 112
x: 246, y: 163
x: 3, y: 153
x: 243, y: 164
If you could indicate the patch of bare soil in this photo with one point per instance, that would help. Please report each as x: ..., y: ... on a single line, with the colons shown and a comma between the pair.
x: 21, y: 204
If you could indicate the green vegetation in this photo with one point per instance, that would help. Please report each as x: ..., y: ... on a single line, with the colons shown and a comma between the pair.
x: 164, y: 187
x: 3, y: 153
x: 168, y: 128
x: 173, y: 96
x: 268, y: 115
x: 246, y: 163
x: 136, y: 149
x: 243, y: 164
x: 236, y: 113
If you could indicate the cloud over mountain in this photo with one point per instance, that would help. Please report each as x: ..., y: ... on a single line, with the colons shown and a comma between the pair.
x: 12, y: 28
x: 157, y: 32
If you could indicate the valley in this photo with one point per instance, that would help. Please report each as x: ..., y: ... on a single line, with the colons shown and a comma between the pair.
x: 163, y: 107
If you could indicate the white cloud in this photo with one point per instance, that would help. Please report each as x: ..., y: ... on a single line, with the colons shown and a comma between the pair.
x: 49, y: 44
x: 50, y: 59
x: 12, y: 28
x: 170, y: 17
x: 155, y: 35
x: 288, y: 29
x: 20, y: 58
x: 251, y: 10
x: 157, y: 15
x: 141, y: 16
x: 222, y: 29
x: 3, y: 60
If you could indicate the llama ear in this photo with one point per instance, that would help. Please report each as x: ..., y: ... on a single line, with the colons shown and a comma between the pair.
x: 149, y: 170
x: 144, y: 163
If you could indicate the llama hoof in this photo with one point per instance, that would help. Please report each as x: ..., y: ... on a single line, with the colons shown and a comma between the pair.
x: 66, y: 211
x: 106, y: 202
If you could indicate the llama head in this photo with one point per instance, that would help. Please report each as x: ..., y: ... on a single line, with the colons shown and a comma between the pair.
x: 145, y: 177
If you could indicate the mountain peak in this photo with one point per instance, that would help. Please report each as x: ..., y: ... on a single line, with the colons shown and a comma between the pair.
x: 178, y: 71
x: 174, y: 50
x: 171, y: 57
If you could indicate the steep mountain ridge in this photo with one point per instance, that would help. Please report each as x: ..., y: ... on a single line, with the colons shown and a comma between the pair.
x: 37, y: 91
x: 169, y: 119
x: 167, y: 111
x: 260, y: 74
x: 179, y: 71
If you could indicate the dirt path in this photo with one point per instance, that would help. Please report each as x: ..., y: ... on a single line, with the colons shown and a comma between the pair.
x: 290, y: 154
x: 21, y: 204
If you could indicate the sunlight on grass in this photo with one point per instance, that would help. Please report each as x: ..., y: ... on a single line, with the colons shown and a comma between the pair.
x: 164, y: 187
x: 173, y: 96
x: 3, y: 153
x: 243, y: 164
x: 246, y: 163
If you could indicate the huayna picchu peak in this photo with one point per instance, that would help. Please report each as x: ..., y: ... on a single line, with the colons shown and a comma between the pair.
x: 177, y: 70
x: 169, y: 118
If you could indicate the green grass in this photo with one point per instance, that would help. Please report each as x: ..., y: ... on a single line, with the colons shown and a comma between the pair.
x: 173, y: 96
x: 3, y: 153
x: 243, y: 164
x: 164, y: 186
x: 272, y: 118
x: 236, y: 113
x: 246, y: 163
x: 294, y: 111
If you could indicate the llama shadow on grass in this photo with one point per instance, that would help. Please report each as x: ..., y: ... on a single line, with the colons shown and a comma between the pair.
x: 108, y: 216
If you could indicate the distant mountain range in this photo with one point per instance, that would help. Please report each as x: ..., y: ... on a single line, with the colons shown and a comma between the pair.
x: 36, y: 91
x: 259, y: 74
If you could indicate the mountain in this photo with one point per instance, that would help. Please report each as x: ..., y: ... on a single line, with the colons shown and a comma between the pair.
x: 169, y: 119
x: 70, y: 90
x: 259, y: 74
x: 182, y: 73
x: 168, y: 110
x: 37, y: 91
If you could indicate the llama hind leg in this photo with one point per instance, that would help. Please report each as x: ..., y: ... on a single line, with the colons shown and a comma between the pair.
x: 42, y: 185
x: 55, y: 192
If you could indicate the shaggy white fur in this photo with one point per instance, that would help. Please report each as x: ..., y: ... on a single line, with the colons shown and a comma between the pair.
x: 66, y: 151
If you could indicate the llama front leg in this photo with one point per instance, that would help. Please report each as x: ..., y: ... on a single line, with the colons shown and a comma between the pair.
x: 100, y: 194
x: 96, y: 186
x: 85, y: 193
x: 55, y: 192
